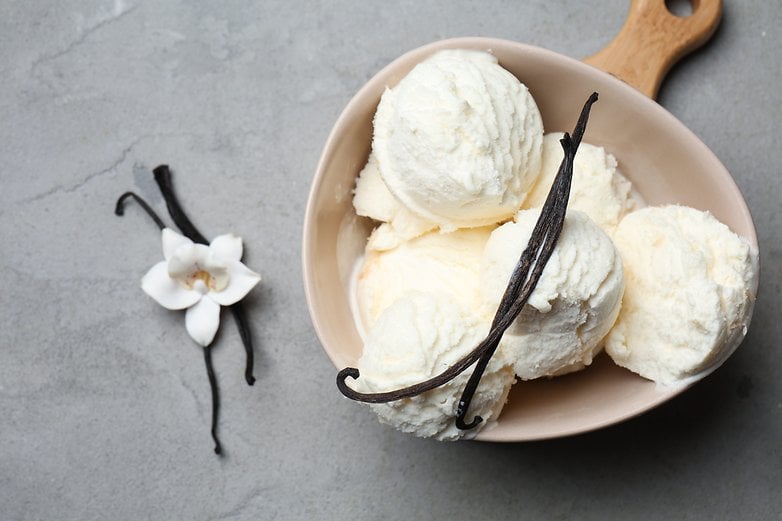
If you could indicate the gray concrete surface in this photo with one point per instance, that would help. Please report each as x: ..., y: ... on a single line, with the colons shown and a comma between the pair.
x: 104, y: 399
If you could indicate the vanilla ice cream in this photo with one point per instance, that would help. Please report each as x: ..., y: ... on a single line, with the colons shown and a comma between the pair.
x: 574, y: 303
x: 690, y: 293
x: 458, y: 148
x: 372, y: 199
x: 598, y: 188
x: 417, y: 338
x: 458, y: 141
x: 442, y: 263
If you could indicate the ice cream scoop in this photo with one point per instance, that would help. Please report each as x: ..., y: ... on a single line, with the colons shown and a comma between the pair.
x: 458, y: 140
x: 689, y: 296
x: 599, y: 189
x: 417, y: 337
x: 574, y: 304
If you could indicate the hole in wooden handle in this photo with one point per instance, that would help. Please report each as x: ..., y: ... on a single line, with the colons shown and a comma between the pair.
x: 680, y: 8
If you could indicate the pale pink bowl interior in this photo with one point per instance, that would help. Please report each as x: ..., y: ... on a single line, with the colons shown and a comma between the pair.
x: 666, y: 163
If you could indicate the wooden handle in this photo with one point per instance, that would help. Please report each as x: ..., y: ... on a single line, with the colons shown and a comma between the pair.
x: 652, y: 40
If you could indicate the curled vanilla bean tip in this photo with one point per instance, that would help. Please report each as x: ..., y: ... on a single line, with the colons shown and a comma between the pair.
x: 348, y: 372
x: 472, y: 383
x: 119, y: 208
x: 467, y: 426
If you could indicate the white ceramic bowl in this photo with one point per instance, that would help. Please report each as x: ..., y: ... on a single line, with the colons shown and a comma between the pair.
x: 665, y: 161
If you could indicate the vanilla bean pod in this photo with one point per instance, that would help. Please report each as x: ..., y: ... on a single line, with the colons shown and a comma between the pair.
x: 501, y: 322
x: 163, y: 178
x: 520, y: 286
x: 552, y: 219
x: 119, y: 208
x: 162, y: 175
x: 548, y: 226
x: 210, y: 373
x: 243, y: 325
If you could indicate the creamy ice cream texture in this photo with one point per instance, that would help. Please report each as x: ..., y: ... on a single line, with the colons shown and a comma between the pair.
x: 458, y: 141
x: 598, y: 188
x: 372, y: 199
x: 419, y: 336
x: 689, y: 296
x: 438, y: 263
x: 574, y: 304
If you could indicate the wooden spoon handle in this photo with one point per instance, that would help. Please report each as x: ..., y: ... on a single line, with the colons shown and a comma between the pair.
x: 652, y: 40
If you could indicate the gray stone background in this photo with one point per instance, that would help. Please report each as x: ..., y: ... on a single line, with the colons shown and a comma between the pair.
x: 104, y: 399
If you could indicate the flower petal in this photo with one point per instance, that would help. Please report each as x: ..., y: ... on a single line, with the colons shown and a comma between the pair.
x: 185, y: 260
x: 171, y: 241
x: 202, y: 321
x: 165, y: 290
x: 242, y: 280
x: 228, y: 247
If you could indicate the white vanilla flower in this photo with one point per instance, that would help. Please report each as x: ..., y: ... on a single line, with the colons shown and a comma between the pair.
x: 199, y: 278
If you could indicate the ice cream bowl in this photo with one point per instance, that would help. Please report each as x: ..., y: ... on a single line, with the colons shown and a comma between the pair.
x: 665, y: 161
